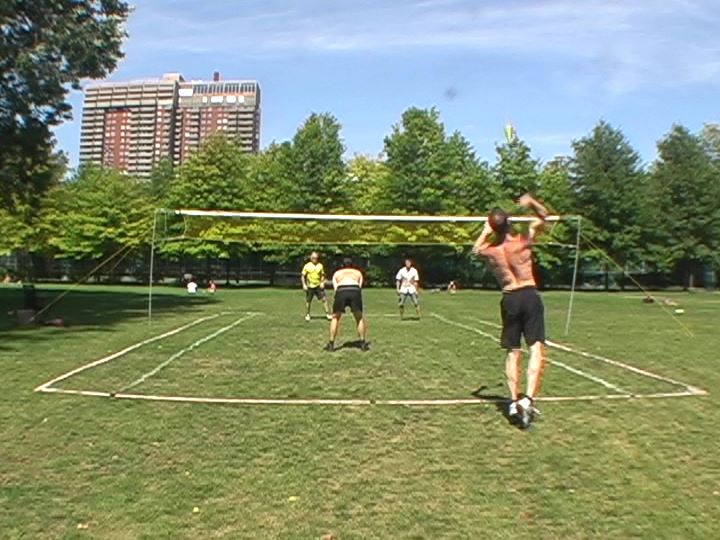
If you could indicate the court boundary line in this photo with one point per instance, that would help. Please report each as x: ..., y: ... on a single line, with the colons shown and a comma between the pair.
x: 574, y: 371
x: 47, y: 387
x: 126, y: 350
x: 358, y: 401
x: 622, y: 365
x: 183, y: 351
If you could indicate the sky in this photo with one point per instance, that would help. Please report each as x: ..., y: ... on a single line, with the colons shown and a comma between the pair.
x: 552, y: 68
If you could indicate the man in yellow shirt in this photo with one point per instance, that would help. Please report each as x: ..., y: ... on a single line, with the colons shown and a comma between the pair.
x: 313, y: 283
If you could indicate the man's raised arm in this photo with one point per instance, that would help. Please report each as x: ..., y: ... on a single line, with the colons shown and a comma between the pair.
x: 528, y: 201
x: 483, y: 241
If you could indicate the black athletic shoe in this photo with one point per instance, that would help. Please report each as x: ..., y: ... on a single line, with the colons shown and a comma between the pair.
x: 364, y: 346
x: 330, y: 347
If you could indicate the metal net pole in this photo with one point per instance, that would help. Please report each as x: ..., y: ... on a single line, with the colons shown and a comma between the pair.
x: 574, y: 277
x: 152, y: 266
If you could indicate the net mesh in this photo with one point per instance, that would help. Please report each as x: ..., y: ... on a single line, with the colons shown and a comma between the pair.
x: 318, y: 229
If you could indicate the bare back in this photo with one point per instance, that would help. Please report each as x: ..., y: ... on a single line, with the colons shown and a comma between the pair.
x: 511, y: 262
x: 347, y: 277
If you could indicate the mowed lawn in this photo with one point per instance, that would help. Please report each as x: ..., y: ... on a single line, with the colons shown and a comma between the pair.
x: 96, y: 467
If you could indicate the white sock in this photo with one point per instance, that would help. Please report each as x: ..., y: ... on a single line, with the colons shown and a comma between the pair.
x: 525, y: 402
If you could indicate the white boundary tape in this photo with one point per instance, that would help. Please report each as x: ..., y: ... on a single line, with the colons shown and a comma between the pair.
x: 628, y: 367
x: 562, y: 365
x: 187, y: 349
x: 616, y: 363
x: 356, y: 402
x: 47, y: 387
x: 124, y: 351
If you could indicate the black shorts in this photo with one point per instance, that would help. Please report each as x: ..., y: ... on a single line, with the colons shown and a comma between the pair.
x: 348, y: 297
x: 523, y: 314
x: 317, y: 292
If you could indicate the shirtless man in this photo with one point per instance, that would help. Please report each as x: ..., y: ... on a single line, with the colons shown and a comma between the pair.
x: 510, y: 256
x: 347, y: 282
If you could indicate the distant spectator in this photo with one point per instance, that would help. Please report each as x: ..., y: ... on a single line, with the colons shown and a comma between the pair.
x: 212, y: 287
x: 452, y: 287
x: 192, y: 287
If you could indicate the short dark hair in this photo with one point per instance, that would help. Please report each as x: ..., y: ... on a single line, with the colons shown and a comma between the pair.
x: 499, y: 220
x: 347, y: 262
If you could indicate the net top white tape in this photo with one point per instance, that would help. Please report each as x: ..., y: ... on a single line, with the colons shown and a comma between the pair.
x: 354, y: 217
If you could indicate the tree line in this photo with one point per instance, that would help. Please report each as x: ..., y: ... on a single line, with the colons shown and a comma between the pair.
x: 663, y: 217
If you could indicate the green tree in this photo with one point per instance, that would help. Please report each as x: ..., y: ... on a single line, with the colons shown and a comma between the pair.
x: 19, y: 227
x: 216, y: 177
x: 96, y: 213
x: 515, y: 171
x: 710, y: 139
x: 554, y: 186
x: 161, y: 179
x: 686, y: 213
x: 607, y: 177
x: 367, y: 185
x: 213, y: 178
x: 470, y: 186
x: 47, y: 47
x: 414, y: 150
x: 318, y: 169
x: 430, y: 172
x: 555, y: 190
x: 270, y: 180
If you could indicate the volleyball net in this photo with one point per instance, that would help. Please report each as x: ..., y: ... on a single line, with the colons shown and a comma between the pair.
x: 337, y: 229
x: 316, y: 229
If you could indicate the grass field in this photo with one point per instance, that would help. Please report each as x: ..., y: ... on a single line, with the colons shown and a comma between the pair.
x: 90, y: 466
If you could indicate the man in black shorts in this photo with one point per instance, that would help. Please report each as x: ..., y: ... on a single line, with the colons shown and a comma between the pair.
x: 348, y: 282
x: 510, y: 256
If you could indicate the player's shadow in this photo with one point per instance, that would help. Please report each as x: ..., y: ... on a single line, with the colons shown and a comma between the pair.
x: 410, y: 318
x: 502, y: 403
x: 356, y: 344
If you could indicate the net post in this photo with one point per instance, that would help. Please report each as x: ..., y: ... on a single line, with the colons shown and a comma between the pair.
x: 152, y: 265
x: 574, y: 277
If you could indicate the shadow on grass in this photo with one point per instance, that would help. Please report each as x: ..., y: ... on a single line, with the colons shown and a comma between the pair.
x: 88, y: 310
x: 356, y: 344
x: 502, y: 403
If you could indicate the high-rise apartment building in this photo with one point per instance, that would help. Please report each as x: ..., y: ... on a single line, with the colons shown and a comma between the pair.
x: 207, y: 107
x: 133, y: 126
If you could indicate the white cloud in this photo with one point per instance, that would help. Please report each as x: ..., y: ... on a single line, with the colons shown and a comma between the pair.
x: 618, y: 45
